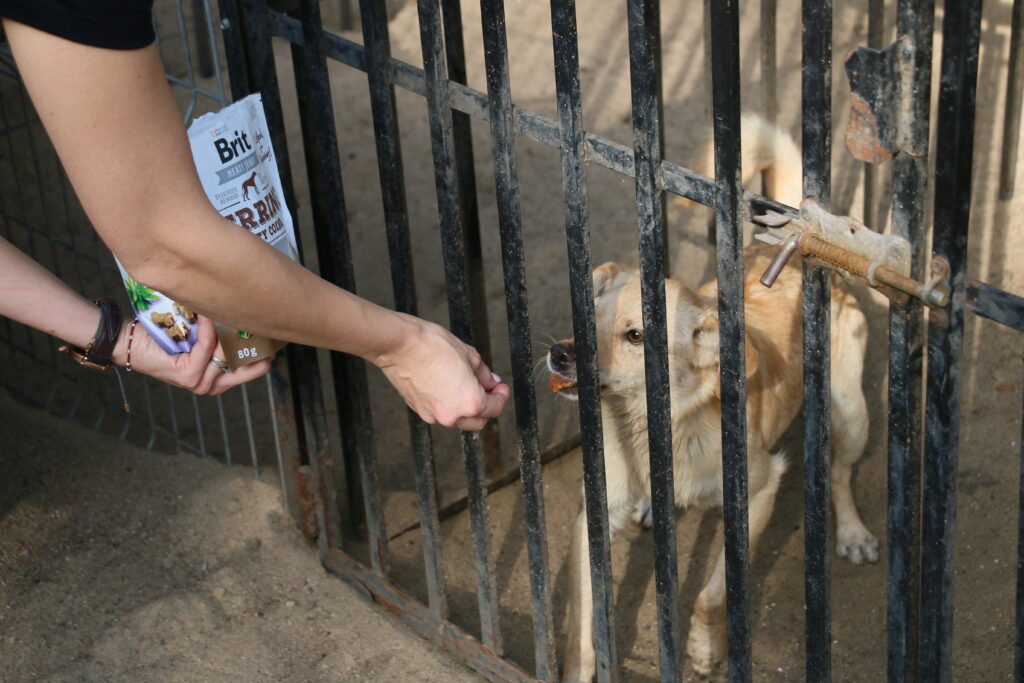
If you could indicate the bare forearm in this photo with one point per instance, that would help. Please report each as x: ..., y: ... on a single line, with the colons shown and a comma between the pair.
x: 32, y: 295
x: 221, y: 270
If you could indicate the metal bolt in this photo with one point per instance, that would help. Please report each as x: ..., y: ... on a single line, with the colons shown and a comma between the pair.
x: 225, y: 25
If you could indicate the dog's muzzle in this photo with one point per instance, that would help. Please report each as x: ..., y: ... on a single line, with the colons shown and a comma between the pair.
x: 562, y: 363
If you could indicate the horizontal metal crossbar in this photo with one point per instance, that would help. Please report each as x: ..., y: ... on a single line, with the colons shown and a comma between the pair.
x: 598, y: 150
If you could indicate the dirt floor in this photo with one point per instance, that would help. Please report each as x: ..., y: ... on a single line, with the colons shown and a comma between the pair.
x: 989, y: 448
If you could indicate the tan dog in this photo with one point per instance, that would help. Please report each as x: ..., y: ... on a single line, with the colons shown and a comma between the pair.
x: 774, y: 367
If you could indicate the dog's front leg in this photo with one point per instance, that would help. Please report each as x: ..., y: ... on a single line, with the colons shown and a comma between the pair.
x: 707, y: 645
x: 580, y: 662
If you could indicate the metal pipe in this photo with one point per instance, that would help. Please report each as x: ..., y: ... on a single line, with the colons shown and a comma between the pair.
x: 817, y: 150
x: 961, y: 30
x: 725, y: 45
x: 648, y: 140
x: 454, y: 250
x: 499, y: 95
x: 570, y: 142
x: 396, y: 221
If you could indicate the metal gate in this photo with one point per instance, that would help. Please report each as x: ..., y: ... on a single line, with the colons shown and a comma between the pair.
x: 922, y: 490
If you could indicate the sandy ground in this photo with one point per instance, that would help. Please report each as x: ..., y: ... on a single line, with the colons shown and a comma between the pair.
x: 205, y: 533
x: 117, y: 564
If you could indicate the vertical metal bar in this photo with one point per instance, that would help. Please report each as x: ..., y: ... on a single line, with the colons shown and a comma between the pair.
x: 817, y: 149
x: 499, y: 97
x: 1011, y: 119
x: 725, y: 50
x: 203, y: 47
x: 455, y: 54
x: 248, y: 429
x: 173, y: 413
x: 199, y: 427
x: 876, y: 25
x: 648, y: 151
x: 224, y: 428
x: 327, y: 200
x: 460, y: 312
x: 769, y: 72
x: 954, y: 147
x: 915, y: 19
x: 570, y: 114
x: 396, y: 220
x: 1018, y: 649
x: 301, y: 388
x: 235, y: 52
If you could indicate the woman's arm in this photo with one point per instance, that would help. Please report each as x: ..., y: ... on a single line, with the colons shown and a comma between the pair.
x: 32, y: 295
x: 116, y: 127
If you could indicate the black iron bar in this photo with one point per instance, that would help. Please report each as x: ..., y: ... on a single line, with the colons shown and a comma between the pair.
x: 459, y: 305
x: 1011, y: 118
x: 953, y: 171
x: 506, y: 180
x: 303, y: 376
x: 455, y: 56
x: 817, y: 149
x: 572, y: 146
x: 396, y: 221
x: 995, y: 304
x: 725, y: 60
x: 915, y: 19
x: 876, y: 25
x: 327, y: 200
x: 597, y: 150
x: 648, y: 141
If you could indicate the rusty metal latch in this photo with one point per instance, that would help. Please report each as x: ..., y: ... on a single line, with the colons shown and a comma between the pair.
x: 849, y: 247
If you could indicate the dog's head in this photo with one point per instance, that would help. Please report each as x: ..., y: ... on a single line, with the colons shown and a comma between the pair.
x: 692, y: 341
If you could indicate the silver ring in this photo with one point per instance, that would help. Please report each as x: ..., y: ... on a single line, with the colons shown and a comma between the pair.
x: 217, y: 362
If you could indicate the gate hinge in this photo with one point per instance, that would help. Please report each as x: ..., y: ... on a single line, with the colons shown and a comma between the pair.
x: 881, y: 98
x: 849, y: 247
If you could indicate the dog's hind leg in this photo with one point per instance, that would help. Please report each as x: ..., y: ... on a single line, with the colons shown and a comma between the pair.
x: 849, y: 437
x: 707, y: 645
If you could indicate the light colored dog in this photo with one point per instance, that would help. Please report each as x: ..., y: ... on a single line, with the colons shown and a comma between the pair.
x: 774, y: 369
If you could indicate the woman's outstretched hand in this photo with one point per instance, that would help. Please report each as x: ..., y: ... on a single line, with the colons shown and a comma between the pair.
x: 195, y: 370
x: 442, y: 379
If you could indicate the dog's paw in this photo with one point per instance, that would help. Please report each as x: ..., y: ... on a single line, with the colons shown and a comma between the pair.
x: 643, y: 514
x: 706, y: 647
x: 856, y: 544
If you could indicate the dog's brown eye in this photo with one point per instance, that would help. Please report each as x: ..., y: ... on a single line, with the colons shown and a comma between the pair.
x: 635, y: 337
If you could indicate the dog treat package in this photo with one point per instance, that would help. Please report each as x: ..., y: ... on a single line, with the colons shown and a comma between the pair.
x: 238, y: 170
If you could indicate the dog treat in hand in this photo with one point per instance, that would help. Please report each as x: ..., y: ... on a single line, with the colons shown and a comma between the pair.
x: 184, y: 312
x: 162, y: 319
x: 557, y: 382
x: 179, y: 332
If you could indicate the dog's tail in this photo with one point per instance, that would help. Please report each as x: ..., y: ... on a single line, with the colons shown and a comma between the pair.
x: 766, y: 150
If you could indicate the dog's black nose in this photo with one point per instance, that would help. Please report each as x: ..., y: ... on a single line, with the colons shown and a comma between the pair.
x: 563, y: 356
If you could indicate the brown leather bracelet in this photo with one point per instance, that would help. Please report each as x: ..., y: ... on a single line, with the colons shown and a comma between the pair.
x: 98, y: 352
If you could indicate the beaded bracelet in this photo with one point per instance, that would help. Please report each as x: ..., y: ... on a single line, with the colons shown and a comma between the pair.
x: 131, y: 335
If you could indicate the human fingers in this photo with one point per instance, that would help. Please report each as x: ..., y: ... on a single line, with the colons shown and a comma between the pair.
x: 226, y: 380
x: 471, y: 424
x: 206, y: 339
x: 494, y: 401
x: 488, y: 379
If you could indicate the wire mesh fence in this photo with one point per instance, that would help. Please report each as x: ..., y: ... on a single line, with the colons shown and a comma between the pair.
x: 40, y: 215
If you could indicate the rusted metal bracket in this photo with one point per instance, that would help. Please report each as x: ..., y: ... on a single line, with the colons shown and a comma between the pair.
x: 849, y: 247
x: 880, y: 101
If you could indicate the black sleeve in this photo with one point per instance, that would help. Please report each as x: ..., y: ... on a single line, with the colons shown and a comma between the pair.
x: 116, y: 24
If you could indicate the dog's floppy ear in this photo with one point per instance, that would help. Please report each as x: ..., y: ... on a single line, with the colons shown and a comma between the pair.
x: 705, y: 344
x: 609, y: 276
